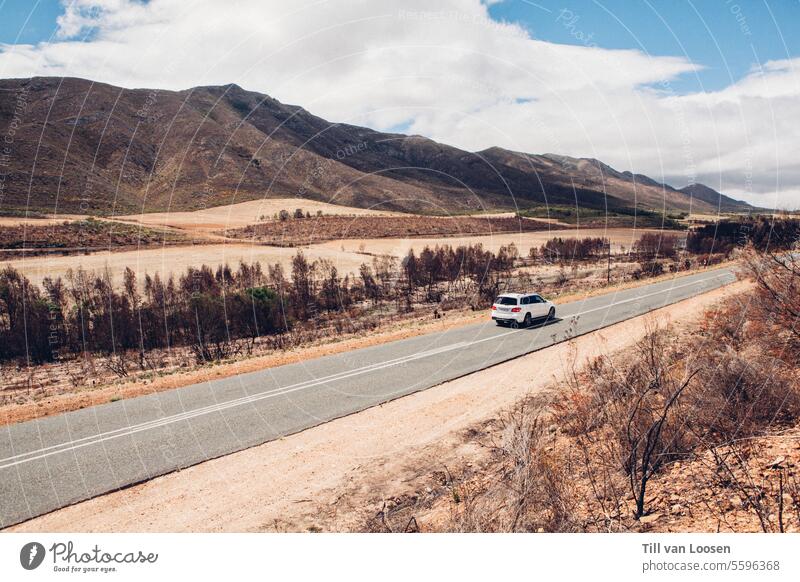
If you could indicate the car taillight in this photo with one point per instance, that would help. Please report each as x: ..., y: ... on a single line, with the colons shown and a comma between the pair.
x: 494, y: 307
x: 516, y: 309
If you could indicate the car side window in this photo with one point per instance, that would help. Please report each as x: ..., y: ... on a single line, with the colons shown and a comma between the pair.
x: 536, y: 299
x: 526, y: 300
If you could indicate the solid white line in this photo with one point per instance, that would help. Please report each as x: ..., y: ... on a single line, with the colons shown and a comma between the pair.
x: 246, y: 399
x: 637, y: 298
x: 130, y: 430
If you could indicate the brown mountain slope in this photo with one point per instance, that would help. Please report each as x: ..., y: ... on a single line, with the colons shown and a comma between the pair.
x: 715, y: 199
x: 87, y: 147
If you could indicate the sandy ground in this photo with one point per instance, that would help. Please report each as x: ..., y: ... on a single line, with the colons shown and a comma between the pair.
x: 175, y: 259
x: 243, y: 214
x: 682, y: 501
x: 347, y: 255
x: 51, y: 219
x: 336, y: 475
x: 524, y: 240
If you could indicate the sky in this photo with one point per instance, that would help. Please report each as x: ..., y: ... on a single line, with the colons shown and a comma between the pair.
x: 704, y: 91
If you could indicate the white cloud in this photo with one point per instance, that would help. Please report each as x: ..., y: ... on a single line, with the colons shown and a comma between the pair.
x: 453, y: 74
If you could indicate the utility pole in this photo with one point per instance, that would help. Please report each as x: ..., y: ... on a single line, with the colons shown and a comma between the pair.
x: 608, y: 270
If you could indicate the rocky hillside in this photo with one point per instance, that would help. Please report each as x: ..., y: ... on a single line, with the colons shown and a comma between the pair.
x: 91, y: 148
x: 702, y: 193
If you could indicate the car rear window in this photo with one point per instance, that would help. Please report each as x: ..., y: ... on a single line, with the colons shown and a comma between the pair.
x: 506, y: 301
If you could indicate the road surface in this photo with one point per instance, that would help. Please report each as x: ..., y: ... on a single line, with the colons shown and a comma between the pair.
x: 56, y: 461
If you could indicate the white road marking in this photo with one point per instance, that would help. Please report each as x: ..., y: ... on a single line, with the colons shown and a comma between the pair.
x: 130, y: 430
x: 238, y: 401
x: 637, y: 298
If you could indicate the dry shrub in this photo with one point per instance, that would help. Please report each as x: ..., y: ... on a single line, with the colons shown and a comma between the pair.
x: 297, y: 232
x: 671, y: 394
x: 641, y: 407
x: 744, y: 388
x: 740, y: 395
x: 725, y: 323
x: 539, y: 492
x: 575, y: 410
x: 579, y: 406
x: 81, y: 236
x: 533, y: 490
x: 776, y: 302
x: 771, y: 492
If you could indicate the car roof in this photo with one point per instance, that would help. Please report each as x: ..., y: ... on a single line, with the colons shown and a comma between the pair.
x: 515, y: 295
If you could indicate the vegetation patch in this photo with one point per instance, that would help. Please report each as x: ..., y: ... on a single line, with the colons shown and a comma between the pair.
x: 611, y: 218
x: 81, y: 236
x: 299, y: 229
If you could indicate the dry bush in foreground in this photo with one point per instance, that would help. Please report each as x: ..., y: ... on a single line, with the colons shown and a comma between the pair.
x: 737, y: 487
x: 640, y: 407
x: 776, y: 303
x: 533, y: 490
x: 671, y: 399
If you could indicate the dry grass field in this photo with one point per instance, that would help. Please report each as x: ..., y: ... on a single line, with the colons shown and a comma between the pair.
x: 347, y: 255
x: 245, y: 213
x: 175, y: 259
x: 620, y: 237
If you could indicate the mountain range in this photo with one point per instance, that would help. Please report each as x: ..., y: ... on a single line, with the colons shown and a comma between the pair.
x: 77, y: 146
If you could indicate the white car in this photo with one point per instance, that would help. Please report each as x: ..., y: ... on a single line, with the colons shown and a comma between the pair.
x: 517, y: 309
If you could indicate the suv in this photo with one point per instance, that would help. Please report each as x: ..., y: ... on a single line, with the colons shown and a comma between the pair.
x: 521, y: 308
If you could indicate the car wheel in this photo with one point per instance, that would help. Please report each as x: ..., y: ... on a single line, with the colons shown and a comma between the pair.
x: 527, y: 322
x: 514, y: 324
x: 551, y: 314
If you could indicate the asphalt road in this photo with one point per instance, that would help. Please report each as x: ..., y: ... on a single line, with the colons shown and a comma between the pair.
x: 60, y: 460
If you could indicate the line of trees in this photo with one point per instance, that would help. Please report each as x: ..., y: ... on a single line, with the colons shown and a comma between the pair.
x: 217, y: 313
x: 298, y: 214
x: 481, y: 270
x: 559, y: 249
x: 201, y: 309
x: 724, y: 236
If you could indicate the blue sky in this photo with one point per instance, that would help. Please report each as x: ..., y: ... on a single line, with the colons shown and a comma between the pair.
x: 28, y: 21
x: 725, y: 37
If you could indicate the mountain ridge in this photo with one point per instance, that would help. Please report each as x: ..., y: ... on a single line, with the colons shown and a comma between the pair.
x: 93, y: 148
x: 707, y: 194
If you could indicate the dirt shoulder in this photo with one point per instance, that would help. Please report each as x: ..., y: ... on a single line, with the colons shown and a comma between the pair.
x: 339, y: 475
